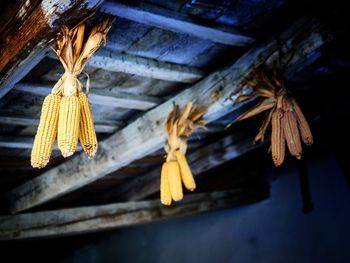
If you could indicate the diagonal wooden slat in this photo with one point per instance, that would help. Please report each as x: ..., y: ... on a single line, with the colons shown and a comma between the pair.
x: 146, y: 135
x: 177, y: 22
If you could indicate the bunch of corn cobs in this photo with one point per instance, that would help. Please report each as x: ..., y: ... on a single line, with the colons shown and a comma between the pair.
x: 175, y: 169
x: 288, y: 124
x: 66, y: 111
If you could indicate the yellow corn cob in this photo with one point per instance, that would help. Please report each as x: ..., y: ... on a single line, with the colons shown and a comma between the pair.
x: 291, y: 133
x: 46, y: 132
x: 165, y: 195
x: 304, y: 127
x: 175, y: 180
x: 186, y: 174
x: 277, y: 138
x: 87, y: 134
x: 68, y: 125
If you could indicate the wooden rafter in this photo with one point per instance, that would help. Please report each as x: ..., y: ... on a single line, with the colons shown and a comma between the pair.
x: 145, y: 67
x: 146, y: 135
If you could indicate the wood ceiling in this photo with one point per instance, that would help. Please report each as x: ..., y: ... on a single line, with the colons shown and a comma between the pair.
x: 158, y: 52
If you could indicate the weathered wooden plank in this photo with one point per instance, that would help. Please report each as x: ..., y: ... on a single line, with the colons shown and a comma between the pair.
x: 146, y: 135
x: 103, y: 126
x: 98, y: 218
x: 104, y: 98
x: 33, y: 24
x: 201, y: 160
x: 145, y: 67
x: 178, y: 22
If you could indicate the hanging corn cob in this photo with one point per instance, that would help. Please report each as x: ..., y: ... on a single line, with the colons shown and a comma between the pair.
x: 47, y: 130
x: 87, y: 134
x: 288, y: 123
x: 175, y: 169
x: 66, y: 111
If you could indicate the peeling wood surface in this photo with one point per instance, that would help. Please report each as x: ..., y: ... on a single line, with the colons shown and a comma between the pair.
x: 97, y: 218
x: 145, y: 135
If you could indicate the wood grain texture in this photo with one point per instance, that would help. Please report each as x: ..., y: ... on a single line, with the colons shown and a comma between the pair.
x: 146, y: 135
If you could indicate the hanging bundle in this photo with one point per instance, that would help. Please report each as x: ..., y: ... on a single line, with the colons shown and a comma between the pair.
x: 66, y: 111
x: 175, y: 170
x: 288, y: 123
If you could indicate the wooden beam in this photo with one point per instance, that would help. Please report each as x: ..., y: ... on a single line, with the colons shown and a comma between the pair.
x: 123, y: 100
x: 98, y: 218
x: 22, y: 143
x: 16, y: 142
x: 103, y: 126
x: 145, y: 67
x: 177, y: 22
x: 146, y: 134
x: 21, y: 71
x: 201, y: 160
x: 24, y: 36
x: 96, y: 96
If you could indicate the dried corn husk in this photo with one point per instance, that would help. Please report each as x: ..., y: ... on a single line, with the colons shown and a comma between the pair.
x: 289, y: 126
x: 73, y: 54
x: 179, y: 127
